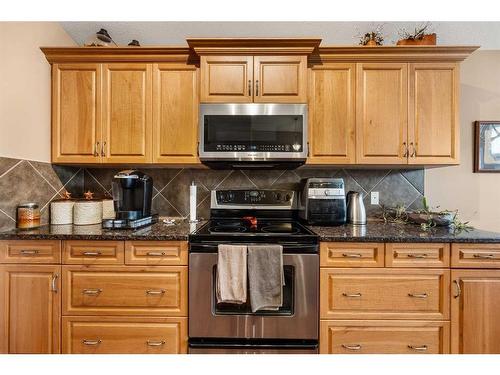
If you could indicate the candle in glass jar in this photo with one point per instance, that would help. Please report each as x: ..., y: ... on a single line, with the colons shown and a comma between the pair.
x: 28, y: 216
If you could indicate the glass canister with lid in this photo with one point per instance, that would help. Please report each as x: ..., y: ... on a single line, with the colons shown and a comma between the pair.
x: 28, y: 216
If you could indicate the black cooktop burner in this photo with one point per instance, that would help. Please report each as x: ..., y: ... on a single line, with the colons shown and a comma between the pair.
x: 227, y: 229
x: 282, y: 228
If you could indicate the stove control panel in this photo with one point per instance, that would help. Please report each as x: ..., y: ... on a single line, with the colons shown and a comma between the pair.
x: 254, y: 197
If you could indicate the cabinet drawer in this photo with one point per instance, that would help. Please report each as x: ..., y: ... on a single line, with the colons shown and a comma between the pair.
x: 125, y: 290
x: 384, y: 337
x: 475, y: 255
x: 123, y: 335
x: 345, y: 254
x: 156, y: 253
x: 384, y: 294
x: 417, y: 255
x: 93, y: 252
x: 30, y: 251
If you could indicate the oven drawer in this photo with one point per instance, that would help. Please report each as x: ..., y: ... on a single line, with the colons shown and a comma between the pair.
x: 424, y: 255
x: 384, y: 337
x: 475, y: 255
x: 156, y: 253
x: 346, y: 254
x: 384, y: 294
x: 125, y: 290
x: 124, y: 335
x: 30, y: 251
x: 93, y: 252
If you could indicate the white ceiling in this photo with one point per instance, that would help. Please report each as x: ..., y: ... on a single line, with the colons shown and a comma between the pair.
x: 485, y: 34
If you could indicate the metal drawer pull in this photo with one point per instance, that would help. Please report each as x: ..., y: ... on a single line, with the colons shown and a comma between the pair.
x: 418, y: 295
x: 418, y: 256
x: 459, y: 289
x: 352, y: 255
x: 249, y: 87
x: 356, y: 295
x: 155, y: 343
x: 155, y: 253
x: 29, y: 252
x: 91, y: 253
x: 91, y: 342
x: 92, y: 292
x: 155, y: 292
x: 484, y: 256
x: 351, y: 347
x: 421, y: 348
x: 54, y: 282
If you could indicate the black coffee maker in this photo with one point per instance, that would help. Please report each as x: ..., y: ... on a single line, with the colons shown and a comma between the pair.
x: 132, y: 197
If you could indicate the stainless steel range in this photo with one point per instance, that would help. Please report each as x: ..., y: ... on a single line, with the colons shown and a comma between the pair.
x: 254, y: 217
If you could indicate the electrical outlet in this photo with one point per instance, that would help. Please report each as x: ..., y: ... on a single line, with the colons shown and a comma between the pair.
x: 374, y: 197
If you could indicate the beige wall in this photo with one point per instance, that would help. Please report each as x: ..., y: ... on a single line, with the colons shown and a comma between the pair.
x: 475, y: 195
x: 25, y: 88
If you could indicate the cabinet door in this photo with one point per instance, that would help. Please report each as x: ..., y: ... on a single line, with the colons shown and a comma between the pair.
x: 382, y: 113
x: 226, y: 79
x: 175, y: 113
x: 433, y: 121
x: 280, y: 79
x: 76, y: 113
x: 127, y: 113
x: 475, y: 327
x: 30, y: 315
x: 332, y: 114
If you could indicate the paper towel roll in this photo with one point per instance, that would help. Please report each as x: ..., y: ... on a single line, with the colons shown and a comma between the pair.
x: 192, y: 202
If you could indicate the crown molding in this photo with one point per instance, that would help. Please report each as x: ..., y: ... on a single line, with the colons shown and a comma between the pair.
x: 253, y: 46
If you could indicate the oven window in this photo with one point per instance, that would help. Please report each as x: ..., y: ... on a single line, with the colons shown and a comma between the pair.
x: 253, y: 133
x: 245, y: 309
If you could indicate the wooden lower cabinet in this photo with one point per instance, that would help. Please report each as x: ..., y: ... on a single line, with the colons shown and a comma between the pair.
x: 30, y: 310
x: 384, y: 337
x: 124, y: 335
x: 474, y: 312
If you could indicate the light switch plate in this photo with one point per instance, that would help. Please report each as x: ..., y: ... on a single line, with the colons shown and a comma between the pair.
x: 374, y: 197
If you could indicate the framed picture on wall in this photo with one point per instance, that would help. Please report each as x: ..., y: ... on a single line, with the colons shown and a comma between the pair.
x: 487, y: 146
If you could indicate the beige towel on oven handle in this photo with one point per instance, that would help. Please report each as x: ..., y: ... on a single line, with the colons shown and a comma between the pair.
x: 231, y: 281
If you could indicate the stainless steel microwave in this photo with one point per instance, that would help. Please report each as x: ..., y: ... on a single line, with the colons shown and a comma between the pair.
x: 253, y: 135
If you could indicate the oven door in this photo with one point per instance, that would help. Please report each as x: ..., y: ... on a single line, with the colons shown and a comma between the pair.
x: 297, y: 319
x: 253, y: 132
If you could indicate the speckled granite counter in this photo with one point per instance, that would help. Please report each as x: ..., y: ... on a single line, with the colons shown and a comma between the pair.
x: 380, y: 232
x: 159, y: 232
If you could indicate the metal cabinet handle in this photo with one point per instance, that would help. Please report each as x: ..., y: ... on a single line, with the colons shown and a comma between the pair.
x: 413, y: 150
x: 103, y: 149
x: 459, y: 289
x: 249, y: 87
x: 96, y: 148
x: 417, y: 256
x: 353, y: 295
x: 156, y: 253
x: 351, y: 346
x: 155, y: 343
x: 92, y: 253
x: 484, y: 256
x: 352, y: 255
x: 91, y: 342
x: 155, y: 292
x: 405, y: 150
x: 418, y: 295
x: 92, y: 292
x: 29, y: 252
x: 420, y: 348
x: 257, y: 88
x: 54, y: 282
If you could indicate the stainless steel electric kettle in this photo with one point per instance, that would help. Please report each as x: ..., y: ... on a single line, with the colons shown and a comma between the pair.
x: 356, y: 213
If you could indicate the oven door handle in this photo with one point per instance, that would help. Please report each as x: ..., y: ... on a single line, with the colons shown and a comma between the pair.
x: 304, y: 248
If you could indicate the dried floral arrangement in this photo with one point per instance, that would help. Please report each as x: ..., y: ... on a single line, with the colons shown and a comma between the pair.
x: 420, y: 35
x: 373, y: 38
x: 427, y: 217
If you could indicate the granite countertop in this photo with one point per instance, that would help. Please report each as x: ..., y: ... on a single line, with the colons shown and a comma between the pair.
x: 374, y: 231
x: 378, y: 231
x: 159, y: 232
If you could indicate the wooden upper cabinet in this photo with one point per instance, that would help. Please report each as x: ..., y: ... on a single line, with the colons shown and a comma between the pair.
x: 280, y: 79
x: 30, y: 313
x: 76, y: 113
x: 127, y: 108
x: 382, y: 113
x: 332, y: 114
x: 226, y: 79
x: 175, y: 113
x: 433, y: 134
x: 475, y: 327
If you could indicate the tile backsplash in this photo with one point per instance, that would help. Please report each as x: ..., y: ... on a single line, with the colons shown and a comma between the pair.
x: 23, y: 180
